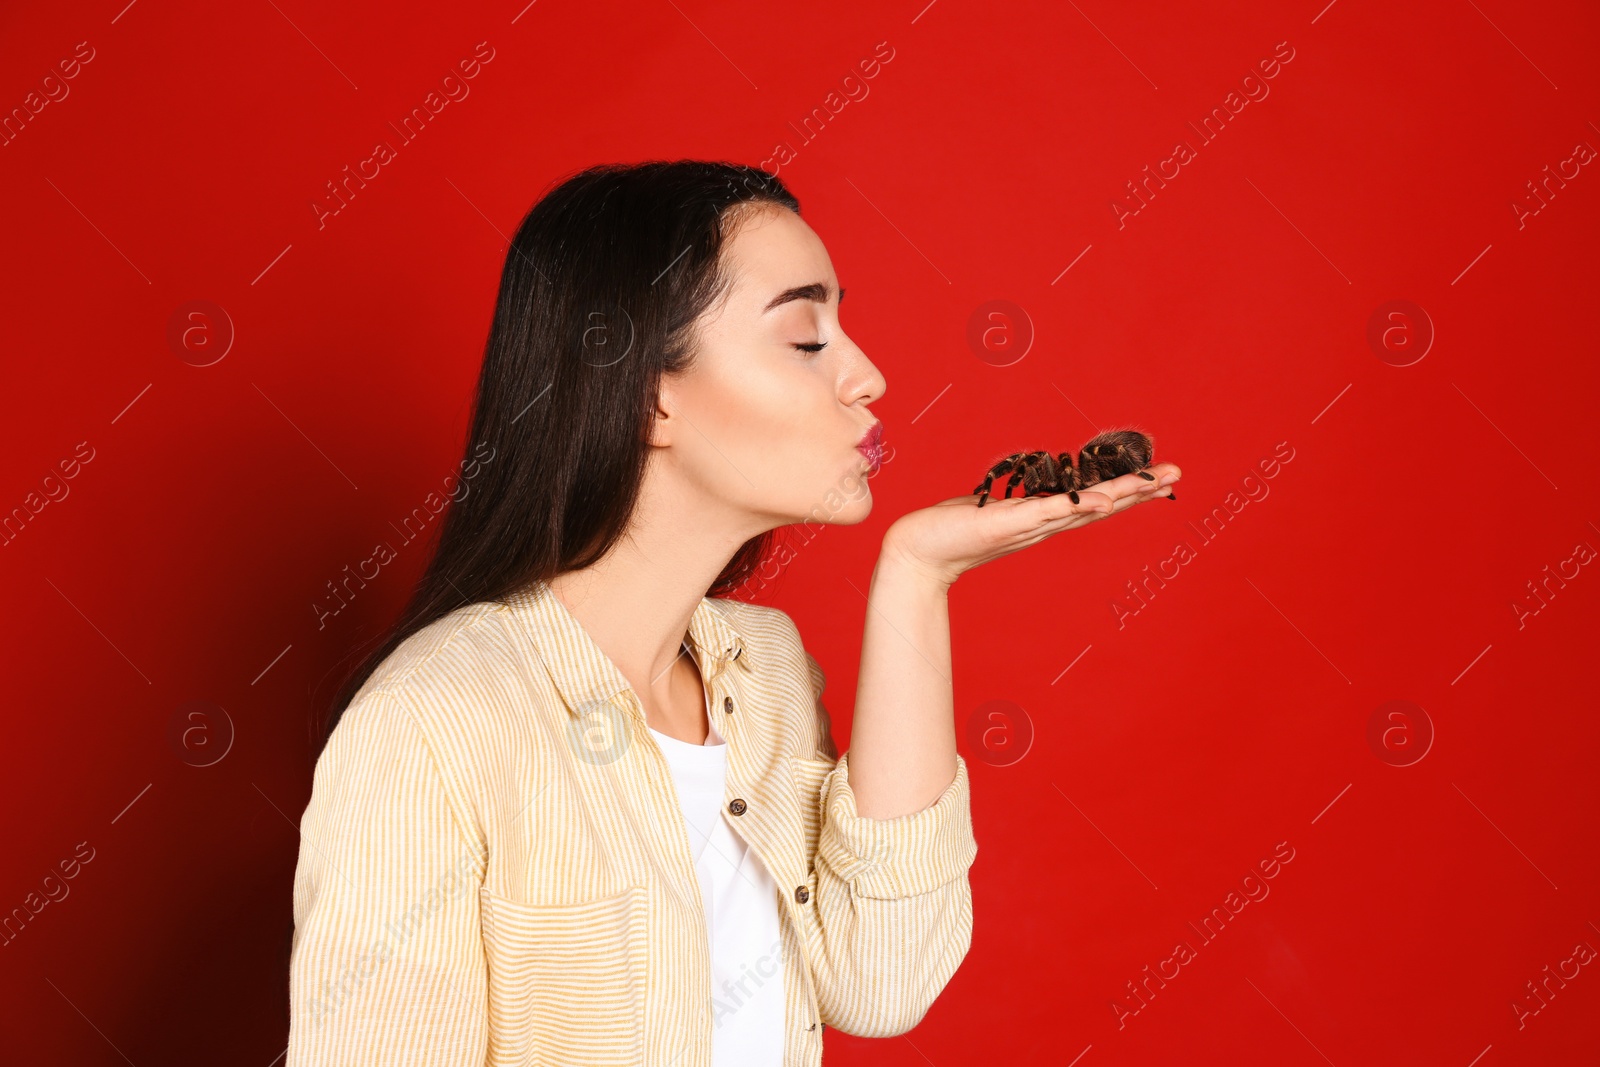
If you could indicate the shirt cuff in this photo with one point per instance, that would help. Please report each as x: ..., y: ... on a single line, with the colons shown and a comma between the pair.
x: 890, y: 859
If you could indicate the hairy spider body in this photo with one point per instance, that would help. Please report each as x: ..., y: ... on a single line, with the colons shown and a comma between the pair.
x: 1109, y: 455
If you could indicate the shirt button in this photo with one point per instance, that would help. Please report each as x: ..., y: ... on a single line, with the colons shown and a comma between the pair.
x: 802, y: 894
x: 727, y: 705
x: 736, y: 806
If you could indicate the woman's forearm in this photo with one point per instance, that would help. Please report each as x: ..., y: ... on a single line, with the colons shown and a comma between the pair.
x: 902, y: 752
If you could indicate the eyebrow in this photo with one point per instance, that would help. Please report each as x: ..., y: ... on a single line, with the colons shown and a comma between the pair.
x: 813, y: 291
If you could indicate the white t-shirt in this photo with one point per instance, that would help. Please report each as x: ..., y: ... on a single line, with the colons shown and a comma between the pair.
x: 740, y: 896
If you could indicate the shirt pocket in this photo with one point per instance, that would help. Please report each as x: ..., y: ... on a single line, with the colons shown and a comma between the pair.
x: 566, y: 981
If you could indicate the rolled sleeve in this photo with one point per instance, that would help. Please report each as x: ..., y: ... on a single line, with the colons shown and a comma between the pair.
x: 889, y: 859
x: 893, y: 907
x: 893, y: 903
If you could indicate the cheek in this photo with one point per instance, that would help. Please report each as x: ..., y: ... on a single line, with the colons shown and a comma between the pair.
x: 766, y: 426
x: 776, y: 413
x: 775, y: 431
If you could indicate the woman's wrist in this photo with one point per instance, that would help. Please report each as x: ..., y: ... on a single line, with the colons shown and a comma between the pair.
x: 899, y: 565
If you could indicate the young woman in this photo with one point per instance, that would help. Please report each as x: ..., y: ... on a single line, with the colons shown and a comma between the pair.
x: 581, y: 807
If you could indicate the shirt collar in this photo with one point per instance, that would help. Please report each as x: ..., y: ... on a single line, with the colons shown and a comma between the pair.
x: 585, y: 675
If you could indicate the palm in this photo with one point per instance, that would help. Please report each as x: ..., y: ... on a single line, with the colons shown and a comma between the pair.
x: 955, y: 535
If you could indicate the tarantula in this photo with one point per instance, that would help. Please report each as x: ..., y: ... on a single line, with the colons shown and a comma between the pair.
x: 1108, y: 455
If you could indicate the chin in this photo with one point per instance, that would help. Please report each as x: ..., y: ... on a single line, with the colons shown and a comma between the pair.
x: 855, y: 509
x: 856, y: 513
x: 844, y: 502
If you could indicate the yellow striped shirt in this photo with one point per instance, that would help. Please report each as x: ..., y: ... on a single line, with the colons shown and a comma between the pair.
x: 494, y: 868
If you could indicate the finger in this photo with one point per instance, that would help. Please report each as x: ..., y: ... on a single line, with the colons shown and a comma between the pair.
x: 1106, y: 499
x: 1057, y: 506
x: 1147, y: 491
x: 1126, y: 491
x: 1096, y: 502
x: 1153, y: 481
x: 1050, y: 513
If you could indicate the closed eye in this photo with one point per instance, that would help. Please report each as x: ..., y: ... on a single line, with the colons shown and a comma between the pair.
x: 813, y: 348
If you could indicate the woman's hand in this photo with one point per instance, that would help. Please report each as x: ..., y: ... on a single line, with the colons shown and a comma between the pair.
x: 955, y: 535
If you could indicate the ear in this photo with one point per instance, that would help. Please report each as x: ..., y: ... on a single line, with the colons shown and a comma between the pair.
x: 662, y: 424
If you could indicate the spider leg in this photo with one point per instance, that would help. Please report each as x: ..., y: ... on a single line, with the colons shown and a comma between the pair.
x: 1023, y: 472
x: 1005, y: 466
x: 1069, y: 476
x: 1028, y: 470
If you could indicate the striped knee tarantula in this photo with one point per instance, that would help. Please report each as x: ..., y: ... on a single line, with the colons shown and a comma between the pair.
x: 1108, y: 455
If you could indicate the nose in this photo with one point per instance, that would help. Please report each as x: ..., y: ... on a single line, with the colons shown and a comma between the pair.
x: 866, y: 383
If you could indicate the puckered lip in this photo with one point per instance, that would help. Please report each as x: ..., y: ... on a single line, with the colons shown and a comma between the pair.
x: 872, y: 438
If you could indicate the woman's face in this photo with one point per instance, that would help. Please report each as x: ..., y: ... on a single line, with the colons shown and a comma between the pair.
x: 757, y: 422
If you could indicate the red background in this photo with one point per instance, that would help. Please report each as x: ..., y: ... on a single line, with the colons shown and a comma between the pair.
x: 1228, y: 317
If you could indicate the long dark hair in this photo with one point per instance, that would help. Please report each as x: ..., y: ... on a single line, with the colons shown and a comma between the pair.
x: 601, y: 288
